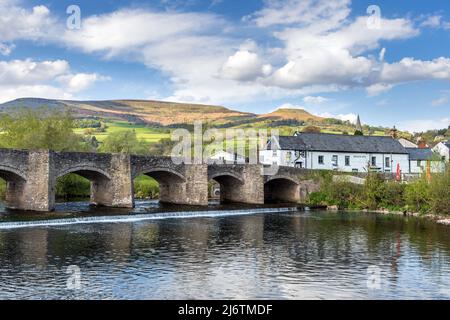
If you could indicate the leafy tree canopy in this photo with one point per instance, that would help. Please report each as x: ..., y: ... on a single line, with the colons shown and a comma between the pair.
x: 124, y: 142
x: 40, y: 128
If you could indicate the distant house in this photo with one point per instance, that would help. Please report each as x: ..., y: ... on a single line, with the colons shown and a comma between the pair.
x: 407, y: 144
x: 227, y: 157
x: 419, y: 159
x: 347, y: 153
x: 443, y: 148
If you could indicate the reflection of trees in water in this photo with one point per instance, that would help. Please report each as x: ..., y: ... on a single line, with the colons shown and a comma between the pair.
x: 270, y: 243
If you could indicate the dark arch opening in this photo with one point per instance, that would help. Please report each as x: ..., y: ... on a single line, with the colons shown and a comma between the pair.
x: 11, y: 185
x: 225, y: 187
x: 159, y: 184
x: 81, y: 184
x: 281, y: 190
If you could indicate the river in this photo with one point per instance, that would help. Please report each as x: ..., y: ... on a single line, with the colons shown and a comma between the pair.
x: 254, y: 253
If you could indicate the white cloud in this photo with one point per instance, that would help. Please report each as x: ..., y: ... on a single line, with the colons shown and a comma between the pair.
x: 435, y: 21
x: 378, y: 88
x: 432, y: 21
x: 244, y: 65
x: 303, y: 12
x: 440, y: 101
x: 351, y: 117
x: 421, y: 125
x: 314, y: 99
x: 319, y: 47
x: 6, y: 49
x: 329, y: 52
x: 128, y: 30
x: 80, y: 81
x: 17, y: 23
x: 410, y: 69
x: 17, y: 72
x: 47, y: 79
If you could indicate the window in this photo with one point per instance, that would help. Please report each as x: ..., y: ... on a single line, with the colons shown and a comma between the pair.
x: 320, y: 159
x: 354, y: 170
x: 334, y: 160
x: 347, y: 160
x: 418, y: 163
x: 387, y: 162
x: 374, y: 161
x: 289, y: 156
x: 274, y: 153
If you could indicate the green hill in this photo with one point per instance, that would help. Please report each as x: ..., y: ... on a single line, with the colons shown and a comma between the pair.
x: 153, y: 120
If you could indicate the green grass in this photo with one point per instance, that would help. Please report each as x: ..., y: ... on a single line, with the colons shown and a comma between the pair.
x: 144, y: 132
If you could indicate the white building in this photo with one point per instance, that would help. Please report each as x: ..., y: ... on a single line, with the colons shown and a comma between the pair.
x: 443, y: 148
x: 226, y: 157
x: 420, y: 159
x: 338, y: 152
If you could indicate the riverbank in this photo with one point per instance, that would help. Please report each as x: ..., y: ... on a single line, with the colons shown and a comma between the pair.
x: 440, y: 219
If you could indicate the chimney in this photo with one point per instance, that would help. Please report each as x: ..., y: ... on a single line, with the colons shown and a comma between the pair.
x: 421, y: 143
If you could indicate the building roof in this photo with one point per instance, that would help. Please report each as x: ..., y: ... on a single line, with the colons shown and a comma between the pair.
x: 341, y: 143
x: 420, y: 154
x: 407, y: 144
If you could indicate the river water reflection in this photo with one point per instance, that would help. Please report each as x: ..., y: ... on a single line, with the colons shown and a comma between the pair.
x: 282, y: 255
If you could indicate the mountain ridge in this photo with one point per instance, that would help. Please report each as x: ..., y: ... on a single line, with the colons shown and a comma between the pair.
x: 158, y: 112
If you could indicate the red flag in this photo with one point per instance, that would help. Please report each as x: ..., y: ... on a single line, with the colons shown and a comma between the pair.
x: 398, y: 175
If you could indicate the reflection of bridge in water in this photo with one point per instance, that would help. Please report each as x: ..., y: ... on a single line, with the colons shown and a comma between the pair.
x: 31, y: 179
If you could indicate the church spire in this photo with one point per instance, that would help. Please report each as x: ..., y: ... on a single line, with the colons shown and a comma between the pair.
x: 358, y: 124
x: 359, y: 130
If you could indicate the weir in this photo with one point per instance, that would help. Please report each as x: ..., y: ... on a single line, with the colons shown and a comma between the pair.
x: 31, y: 179
x: 140, y: 217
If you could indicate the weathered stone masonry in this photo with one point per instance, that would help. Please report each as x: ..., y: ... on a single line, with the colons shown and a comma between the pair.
x: 31, y: 179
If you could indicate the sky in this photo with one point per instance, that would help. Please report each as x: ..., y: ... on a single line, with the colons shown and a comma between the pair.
x: 388, y: 61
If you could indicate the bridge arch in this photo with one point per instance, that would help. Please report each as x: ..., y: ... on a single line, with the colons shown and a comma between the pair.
x: 163, y: 175
x: 15, y: 184
x: 100, y: 180
x: 88, y: 172
x: 230, y: 184
x: 282, y: 189
x: 172, y: 184
x: 8, y: 173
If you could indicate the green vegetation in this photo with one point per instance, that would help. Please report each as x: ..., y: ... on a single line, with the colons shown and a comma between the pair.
x: 72, y: 186
x: 144, y: 132
x: 40, y: 128
x: 146, y: 187
x: 124, y: 142
x: 419, y: 195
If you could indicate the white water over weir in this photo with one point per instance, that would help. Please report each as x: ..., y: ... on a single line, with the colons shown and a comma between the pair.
x: 140, y: 217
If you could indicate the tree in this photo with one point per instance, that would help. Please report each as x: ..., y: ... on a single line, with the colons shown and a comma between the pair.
x: 358, y: 133
x: 124, y: 142
x: 40, y: 128
x: 162, y: 148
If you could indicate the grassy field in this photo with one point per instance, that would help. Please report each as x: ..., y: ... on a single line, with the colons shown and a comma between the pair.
x: 154, y: 134
x: 142, y: 131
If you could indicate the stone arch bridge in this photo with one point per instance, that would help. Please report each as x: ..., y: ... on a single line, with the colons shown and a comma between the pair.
x: 31, y: 179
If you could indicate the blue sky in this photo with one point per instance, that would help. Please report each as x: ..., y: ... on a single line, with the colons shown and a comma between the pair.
x: 331, y: 58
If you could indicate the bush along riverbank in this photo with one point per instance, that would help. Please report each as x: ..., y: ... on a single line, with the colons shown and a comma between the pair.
x: 421, y: 197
